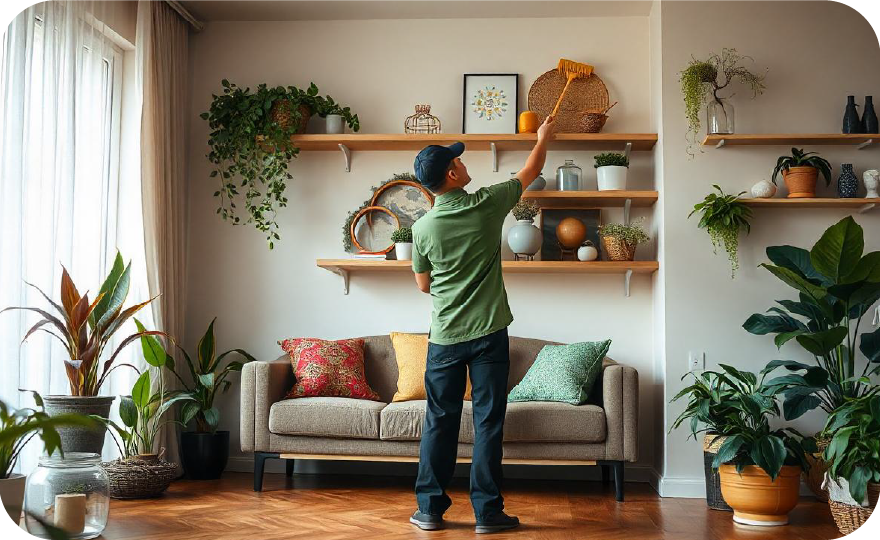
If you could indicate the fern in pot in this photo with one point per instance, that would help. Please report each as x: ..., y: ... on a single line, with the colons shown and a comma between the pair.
x: 403, y: 241
x: 524, y: 238
x: 611, y: 169
x: 723, y: 217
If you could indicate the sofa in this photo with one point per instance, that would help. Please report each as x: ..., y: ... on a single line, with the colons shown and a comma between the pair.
x: 602, y: 432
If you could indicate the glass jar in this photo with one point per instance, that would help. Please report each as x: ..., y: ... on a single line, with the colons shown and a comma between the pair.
x: 71, y: 493
x: 719, y: 117
x: 568, y: 176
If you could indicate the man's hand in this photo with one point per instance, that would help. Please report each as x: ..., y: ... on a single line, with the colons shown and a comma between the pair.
x: 535, y: 162
x: 546, y: 130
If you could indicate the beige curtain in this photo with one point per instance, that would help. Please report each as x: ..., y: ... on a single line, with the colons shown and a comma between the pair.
x: 162, y: 37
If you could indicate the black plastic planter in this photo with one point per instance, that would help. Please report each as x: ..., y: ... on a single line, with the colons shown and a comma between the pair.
x: 204, y: 454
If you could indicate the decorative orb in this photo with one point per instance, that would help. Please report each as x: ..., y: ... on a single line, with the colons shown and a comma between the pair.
x: 763, y: 190
x: 571, y: 232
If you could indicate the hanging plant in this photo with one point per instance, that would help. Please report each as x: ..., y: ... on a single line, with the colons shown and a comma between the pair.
x: 701, y: 81
x: 250, y: 148
x: 724, y: 216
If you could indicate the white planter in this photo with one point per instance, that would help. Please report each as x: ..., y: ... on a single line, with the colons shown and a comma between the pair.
x: 12, y: 493
x: 611, y: 177
x: 335, y: 124
x: 403, y: 250
x: 524, y: 238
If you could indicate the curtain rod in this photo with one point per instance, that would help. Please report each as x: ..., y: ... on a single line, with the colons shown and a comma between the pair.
x: 196, y: 24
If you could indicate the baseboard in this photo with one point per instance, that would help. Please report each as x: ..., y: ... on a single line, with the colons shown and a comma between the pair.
x: 684, y: 487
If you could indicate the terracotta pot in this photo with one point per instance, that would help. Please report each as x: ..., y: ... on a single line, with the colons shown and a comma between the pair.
x: 801, y: 182
x: 755, y: 499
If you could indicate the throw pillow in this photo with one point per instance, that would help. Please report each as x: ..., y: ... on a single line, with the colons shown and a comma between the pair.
x: 564, y: 373
x: 328, y: 368
x: 411, y: 353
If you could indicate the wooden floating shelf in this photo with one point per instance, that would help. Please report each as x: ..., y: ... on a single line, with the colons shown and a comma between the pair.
x: 519, y: 141
x: 793, y: 139
x: 860, y: 205
x: 344, y: 267
x: 591, y: 199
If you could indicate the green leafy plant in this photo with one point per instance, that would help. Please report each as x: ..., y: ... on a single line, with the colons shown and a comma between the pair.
x: 84, y: 328
x: 607, y: 159
x: 836, y: 287
x: 723, y: 217
x: 799, y: 158
x: 711, y: 400
x: 324, y: 106
x: 402, y: 235
x: 18, y: 427
x: 854, y: 451
x: 701, y: 81
x: 346, y: 226
x: 524, y: 210
x: 632, y: 234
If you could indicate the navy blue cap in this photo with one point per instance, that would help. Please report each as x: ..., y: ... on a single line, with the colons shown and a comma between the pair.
x: 433, y: 161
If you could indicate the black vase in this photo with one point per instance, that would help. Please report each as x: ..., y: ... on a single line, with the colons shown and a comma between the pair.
x: 204, y: 454
x: 869, y: 117
x: 848, y: 183
x: 851, y: 122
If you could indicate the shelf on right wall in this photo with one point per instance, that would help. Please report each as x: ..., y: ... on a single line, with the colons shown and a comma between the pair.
x: 859, y: 205
x: 860, y: 140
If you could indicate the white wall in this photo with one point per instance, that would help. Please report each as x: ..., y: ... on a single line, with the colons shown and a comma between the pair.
x: 382, y: 68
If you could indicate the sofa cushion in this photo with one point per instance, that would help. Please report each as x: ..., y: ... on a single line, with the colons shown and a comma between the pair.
x: 328, y: 368
x: 411, y: 353
x: 326, y: 417
x: 549, y: 421
x: 564, y: 373
x: 403, y: 420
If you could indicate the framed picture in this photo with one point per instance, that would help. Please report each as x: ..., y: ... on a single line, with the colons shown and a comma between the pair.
x: 490, y: 103
x: 550, y: 219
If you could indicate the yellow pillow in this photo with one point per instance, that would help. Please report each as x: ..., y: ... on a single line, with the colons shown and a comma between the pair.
x: 411, y: 351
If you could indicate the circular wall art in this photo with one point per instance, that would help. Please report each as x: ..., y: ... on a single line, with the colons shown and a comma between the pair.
x: 371, y: 230
x: 407, y: 199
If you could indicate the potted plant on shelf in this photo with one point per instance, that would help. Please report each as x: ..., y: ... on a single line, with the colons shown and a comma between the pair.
x: 17, y: 427
x: 611, y: 169
x: 85, y: 328
x: 800, y: 171
x: 251, y: 147
x: 621, y: 240
x: 403, y: 241
x: 335, y: 116
x: 723, y: 217
x: 524, y: 238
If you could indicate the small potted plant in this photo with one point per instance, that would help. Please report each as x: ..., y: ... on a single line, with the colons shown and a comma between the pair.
x: 621, y: 240
x: 335, y: 116
x: 611, y: 169
x: 723, y: 217
x: 800, y: 171
x: 524, y: 238
x: 402, y: 239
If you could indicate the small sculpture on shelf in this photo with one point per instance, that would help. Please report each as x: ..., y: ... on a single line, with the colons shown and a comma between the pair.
x: 422, y: 121
x: 871, y: 178
x: 570, y: 233
x: 763, y: 190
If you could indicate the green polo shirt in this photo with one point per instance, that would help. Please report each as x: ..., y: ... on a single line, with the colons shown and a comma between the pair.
x: 459, y: 242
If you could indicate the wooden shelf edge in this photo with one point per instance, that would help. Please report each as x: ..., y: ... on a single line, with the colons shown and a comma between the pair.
x: 794, y: 139
x: 481, y: 142
x: 818, y: 202
x: 595, y: 267
x: 641, y: 199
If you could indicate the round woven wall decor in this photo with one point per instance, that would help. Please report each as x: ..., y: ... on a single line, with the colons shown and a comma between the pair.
x: 589, y: 94
x: 371, y: 230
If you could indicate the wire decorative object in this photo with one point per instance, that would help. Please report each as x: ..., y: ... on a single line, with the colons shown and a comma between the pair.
x: 422, y: 121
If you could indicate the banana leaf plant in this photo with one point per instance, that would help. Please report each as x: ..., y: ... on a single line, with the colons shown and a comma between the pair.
x: 837, y: 285
x: 85, y: 328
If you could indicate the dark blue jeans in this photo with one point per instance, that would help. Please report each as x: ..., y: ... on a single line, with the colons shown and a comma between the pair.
x: 445, y: 378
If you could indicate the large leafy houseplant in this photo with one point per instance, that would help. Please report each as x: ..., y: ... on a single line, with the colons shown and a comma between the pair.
x: 854, y: 451
x: 837, y: 285
x: 723, y: 217
x: 711, y: 399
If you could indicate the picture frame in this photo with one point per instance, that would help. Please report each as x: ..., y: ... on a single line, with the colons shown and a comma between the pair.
x: 500, y: 114
x: 550, y: 218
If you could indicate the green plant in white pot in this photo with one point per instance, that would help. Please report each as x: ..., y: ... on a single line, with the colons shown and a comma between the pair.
x: 403, y: 241
x: 611, y: 169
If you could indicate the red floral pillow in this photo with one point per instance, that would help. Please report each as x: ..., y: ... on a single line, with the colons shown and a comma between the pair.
x: 328, y: 368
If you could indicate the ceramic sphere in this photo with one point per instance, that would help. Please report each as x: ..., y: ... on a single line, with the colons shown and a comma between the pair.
x: 588, y: 252
x: 571, y: 232
x: 763, y: 190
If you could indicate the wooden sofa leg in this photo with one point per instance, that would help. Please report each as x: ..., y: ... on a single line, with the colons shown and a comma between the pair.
x: 617, y: 467
x: 259, y: 465
x: 288, y: 464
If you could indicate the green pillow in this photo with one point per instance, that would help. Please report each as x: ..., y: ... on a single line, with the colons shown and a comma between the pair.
x: 563, y: 373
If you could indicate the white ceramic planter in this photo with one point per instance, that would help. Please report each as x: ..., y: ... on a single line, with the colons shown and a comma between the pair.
x: 335, y: 124
x: 12, y: 493
x: 524, y: 238
x: 611, y: 177
x: 403, y: 250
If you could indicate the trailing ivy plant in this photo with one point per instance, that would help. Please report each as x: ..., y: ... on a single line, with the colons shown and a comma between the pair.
x: 723, y: 217
x: 701, y: 81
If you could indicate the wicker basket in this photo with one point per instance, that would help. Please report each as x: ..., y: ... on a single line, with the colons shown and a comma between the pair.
x: 711, y: 444
x: 617, y: 249
x: 282, y: 115
x: 815, y: 477
x: 593, y: 122
x: 137, y: 478
x: 584, y: 94
x: 850, y: 517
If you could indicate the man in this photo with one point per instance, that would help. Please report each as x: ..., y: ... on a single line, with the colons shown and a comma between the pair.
x: 457, y: 259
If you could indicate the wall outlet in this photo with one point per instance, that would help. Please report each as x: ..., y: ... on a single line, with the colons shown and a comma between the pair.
x: 696, y: 361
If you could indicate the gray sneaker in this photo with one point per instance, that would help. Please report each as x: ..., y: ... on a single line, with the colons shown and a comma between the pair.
x: 496, y: 522
x: 426, y: 522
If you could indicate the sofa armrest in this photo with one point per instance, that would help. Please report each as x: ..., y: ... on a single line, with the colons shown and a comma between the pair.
x: 620, y: 399
x: 262, y: 384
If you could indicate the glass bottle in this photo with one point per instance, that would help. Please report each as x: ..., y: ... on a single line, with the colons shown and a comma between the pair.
x: 568, y: 176
x: 719, y: 117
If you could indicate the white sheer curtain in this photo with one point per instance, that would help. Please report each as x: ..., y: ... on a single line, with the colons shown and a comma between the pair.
x: 62, y: 198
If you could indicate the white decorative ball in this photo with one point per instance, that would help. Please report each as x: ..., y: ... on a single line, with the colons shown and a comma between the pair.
x: 763, y: 190
x: 587, y: 253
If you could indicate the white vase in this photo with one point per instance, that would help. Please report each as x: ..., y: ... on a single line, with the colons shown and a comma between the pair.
x: 524, y: 238
x: 611, y: 177
x: 403, y: 250
x: 763, y: 190
x: 12, y: 493
x: 588, y: 252
x: 335, y: 124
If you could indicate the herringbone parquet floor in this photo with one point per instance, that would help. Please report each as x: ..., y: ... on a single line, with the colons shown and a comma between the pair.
x: 329, y: 507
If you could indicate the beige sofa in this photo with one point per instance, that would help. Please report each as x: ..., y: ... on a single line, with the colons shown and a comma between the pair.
x: 602, y: 432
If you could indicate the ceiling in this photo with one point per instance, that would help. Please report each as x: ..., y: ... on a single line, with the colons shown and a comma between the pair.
x: 310, y: 10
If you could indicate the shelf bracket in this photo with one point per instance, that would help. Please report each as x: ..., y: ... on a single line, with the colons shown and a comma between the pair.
x: 866, y: 207
x: 876, y: 321
x: 626, y: 280
x: 346, y: 154
x: 721, y: 143
x: 628, y: 149
x: 494, y: 156
x: 865, y: 144
x: 627, y: 204
x: 343, y: 274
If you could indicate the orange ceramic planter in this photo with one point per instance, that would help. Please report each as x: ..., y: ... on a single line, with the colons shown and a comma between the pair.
x: 801, y: 182
x: 528, y: 122
x: 755, y: 499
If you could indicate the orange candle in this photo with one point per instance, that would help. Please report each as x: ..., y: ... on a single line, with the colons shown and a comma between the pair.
x: 528, y: 122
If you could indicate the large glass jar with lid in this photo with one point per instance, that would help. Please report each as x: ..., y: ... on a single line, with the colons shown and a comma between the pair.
x: 568, y: 176
x: 70, y: 493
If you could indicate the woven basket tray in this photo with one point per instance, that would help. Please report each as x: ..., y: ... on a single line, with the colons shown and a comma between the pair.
x: 850, y: 517
x: 136, y: 479
x: 586, y: 94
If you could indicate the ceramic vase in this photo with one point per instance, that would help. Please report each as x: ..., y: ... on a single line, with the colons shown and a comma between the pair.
x: 611, y: 177
x: 758, y: 500
x: 848, y: 183
x: 871, y: 178
x: 869, y: 117
x: 403, y: 250
x: 12, y: 494
x: 851, y: 121
x: 529, y: 122
x: 524, y: 238
x: 538, y: 184
x: 587, y: 252
x: 335, y: 124
x: 763, y: 190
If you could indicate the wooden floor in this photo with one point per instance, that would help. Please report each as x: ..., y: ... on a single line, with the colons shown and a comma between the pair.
x: 328, y: 507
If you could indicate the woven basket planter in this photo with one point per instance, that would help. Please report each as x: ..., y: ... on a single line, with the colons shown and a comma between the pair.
x: 136, y: 478
x: 282, y: 115
x: 592, y: 122
x: 711, y: 444
x: 618, y: 250
x: 815, y: 477
x: 849, y: 517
